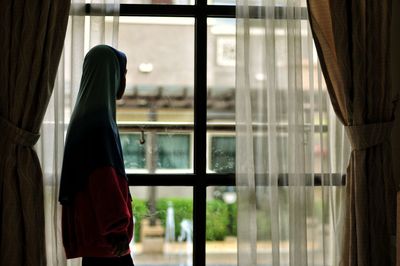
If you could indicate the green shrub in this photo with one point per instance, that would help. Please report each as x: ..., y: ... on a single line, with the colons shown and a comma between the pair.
x: 140, y: 211
x: 263, y: 226
x: 183, y: 209
x: 217, y: 216
x: 233, y: 210
x: 217, y: 220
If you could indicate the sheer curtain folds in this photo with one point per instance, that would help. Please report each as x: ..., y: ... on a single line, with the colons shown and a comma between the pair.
x: 83, y: 32
x: 291, y: 150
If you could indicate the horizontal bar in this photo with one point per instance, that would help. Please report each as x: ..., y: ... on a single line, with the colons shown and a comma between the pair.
x: 154, y: 10
x: 227, y: 126
x: 157, y: 10
x: 176, y: 10
x: 221, y: 11
x: 212, y: 179
x: 161, y: 179
x: 308, y: 180
x: 180, y: 180
x: 165, y: 126
x: 220, y: 180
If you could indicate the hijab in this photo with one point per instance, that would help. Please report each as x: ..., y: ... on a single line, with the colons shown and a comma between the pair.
x: 92, y: 138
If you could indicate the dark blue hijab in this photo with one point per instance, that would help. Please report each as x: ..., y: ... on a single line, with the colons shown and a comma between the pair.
x: 92, y: 137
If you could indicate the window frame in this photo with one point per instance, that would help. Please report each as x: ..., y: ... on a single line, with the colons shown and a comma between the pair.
x: 201, y: 178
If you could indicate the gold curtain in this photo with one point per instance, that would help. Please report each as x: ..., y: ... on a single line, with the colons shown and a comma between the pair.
x: 31, y: 40
x: 353, y: 43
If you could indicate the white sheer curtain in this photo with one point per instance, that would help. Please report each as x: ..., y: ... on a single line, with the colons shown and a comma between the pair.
x: 83, y: 33
x: 291, y: 150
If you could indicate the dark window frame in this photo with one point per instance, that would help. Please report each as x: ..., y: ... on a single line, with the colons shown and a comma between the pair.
x: 200, y: 179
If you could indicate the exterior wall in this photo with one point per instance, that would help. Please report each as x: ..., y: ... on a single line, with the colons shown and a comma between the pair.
x: 169, y: 47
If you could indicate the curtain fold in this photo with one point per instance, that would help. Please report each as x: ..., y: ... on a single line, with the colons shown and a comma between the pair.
x: 291, y: 149
x: 83, y: 32
x: 31, y: 41
x: 353, y: 43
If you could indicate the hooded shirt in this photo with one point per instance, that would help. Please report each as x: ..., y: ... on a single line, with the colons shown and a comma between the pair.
x: 92, y: 138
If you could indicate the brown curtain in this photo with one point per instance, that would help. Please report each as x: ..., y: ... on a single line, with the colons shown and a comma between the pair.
x: 353, y: 43
x: 31, y: 40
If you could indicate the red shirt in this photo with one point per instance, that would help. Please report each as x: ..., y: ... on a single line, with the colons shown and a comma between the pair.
x: 102, y: 209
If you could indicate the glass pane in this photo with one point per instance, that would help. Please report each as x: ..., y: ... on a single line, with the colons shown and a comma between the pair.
x: 163, y: 225
x: 318, y: 203
x: 173, y: 151
x: 223, y: 154
x: 159, y: 2
x: 157, y: 152
x: 134, y: 152
x: 221, y: 95
x: 221, y: 245
x: 160, y: 73
x: 158, y: 100
x: 221, y: 2
x: 323, y: 159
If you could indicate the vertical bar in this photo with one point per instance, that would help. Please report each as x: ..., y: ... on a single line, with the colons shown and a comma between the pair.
x: 200, y: 89
x: 199, y: 225
x: 200, y: 132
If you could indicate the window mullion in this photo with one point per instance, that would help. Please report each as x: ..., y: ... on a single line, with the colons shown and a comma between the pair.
x: 200, y: 135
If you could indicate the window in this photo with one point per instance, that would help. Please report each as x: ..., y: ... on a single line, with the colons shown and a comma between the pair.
x: 134, y: 152
x: 173, y: 151
x: 177, y: 126
x: 222, y: 154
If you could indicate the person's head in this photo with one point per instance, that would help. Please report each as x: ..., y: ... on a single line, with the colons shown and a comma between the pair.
x: 102, y: 82
x: 105, y: 66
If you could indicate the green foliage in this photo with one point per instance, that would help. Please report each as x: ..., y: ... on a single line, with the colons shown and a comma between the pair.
x: 183, y: 209
x: 233, y: 210
x: 217, y: 220
x: 263, y: 226
x: 218, y: 216
x: 140, y: 211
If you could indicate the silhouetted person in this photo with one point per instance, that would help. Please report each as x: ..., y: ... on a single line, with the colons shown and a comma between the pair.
x: 97, y: 219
